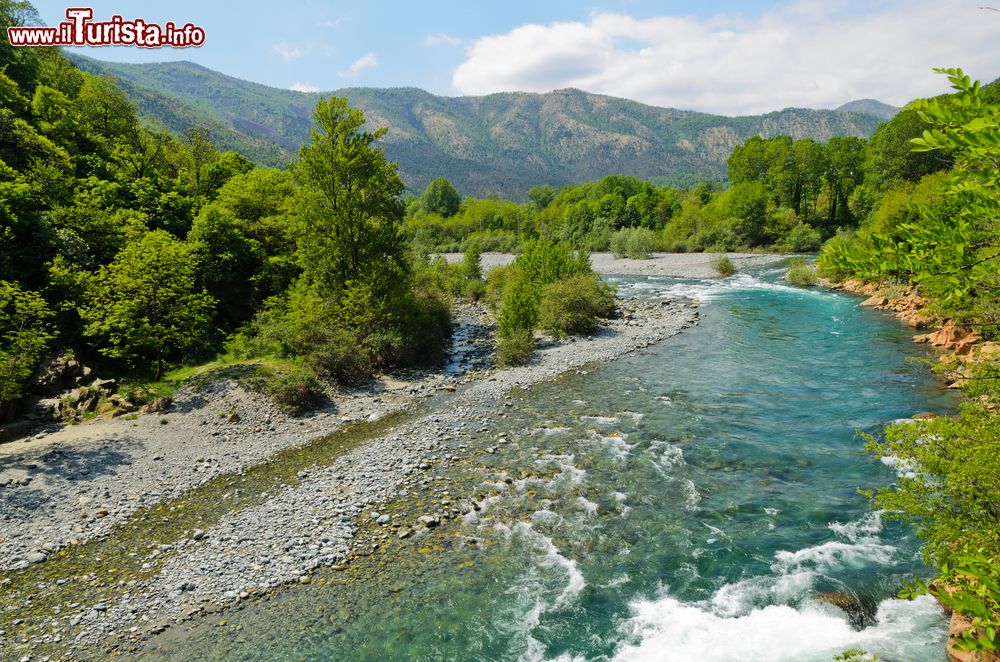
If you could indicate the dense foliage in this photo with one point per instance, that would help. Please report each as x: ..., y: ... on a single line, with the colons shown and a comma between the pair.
x: 549, y: 286
x: 940, y: 233
x: 137, y: 250
x: 783, y: 194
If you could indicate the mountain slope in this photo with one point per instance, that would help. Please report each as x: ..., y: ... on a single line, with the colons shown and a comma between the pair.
x: 501, y: 143
x: 870, y: 107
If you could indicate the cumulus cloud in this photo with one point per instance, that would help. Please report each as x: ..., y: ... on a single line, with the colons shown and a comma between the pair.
x: 366, y: 61
x: 303, y: 87
x: 442, y: 39
x: 287, y: 51
x: 811, y: 53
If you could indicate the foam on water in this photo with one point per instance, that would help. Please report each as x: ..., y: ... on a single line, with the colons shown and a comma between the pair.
x: 587, y: 505
x: 712, y: 289
x: 667, y: 629
x: 601, y: 420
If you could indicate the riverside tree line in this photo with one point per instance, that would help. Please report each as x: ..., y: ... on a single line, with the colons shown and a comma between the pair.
x: 137, y: 250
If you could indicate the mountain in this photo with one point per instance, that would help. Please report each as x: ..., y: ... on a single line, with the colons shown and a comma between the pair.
x: 870, y: 107
x: 499, y: 144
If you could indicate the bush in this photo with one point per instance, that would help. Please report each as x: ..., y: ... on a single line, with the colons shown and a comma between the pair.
x: 803, y: 239
x: 636, y: 243
x: 496, y: 285
x: 519, y: 309
x: 296, y: 392
x: 472, y: 265
x: 801, y: 273
x: 339, y: 356
x: 841, y: 256
x: 723, y: 265
x: 572, y: 306
x: 515, y: 347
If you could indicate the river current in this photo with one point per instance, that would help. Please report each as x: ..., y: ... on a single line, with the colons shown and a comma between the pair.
x: 697, y: 500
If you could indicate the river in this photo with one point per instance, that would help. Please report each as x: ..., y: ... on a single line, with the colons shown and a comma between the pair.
x: 697, y: 500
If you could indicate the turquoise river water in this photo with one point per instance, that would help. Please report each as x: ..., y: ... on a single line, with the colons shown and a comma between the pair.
x: 697, y: 500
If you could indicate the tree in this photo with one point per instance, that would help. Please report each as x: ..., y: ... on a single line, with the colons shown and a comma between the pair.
x: 440, y: 197
x: 24, y: 338
x: 845, y: 171
x: 890, y: 158
x: 541, y: 195
x: 228, y: 264
x: 144, y: 306
x: 348, y: 213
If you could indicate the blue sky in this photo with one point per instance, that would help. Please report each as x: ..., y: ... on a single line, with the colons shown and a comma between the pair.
x: 726, y: 57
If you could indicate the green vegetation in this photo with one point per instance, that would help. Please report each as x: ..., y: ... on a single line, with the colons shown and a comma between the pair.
x: 571, y: 306
x: 545, y: 268
x: 501, y: 144
x: 801, y: 272
x: 515, y: 347
x: 723, y: 266
x: 783, y: 194
x: 636, y: 243
x: 939, y: 232
x: 24, y: 338
x: 138, y: 250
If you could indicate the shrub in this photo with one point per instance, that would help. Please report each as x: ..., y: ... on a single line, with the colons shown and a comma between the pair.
x: 515, y: 347
x: 339, y: 356
x: 723, y: 265
x: 803, y: 239
x: 296, y: 391
x: 496, y: 284
x: 572, y: 306
x: 24, y: 337
x: 519, y: 309
x: 842, y: 256
x: 472, y: 263
x: 801, y: 273
x: 636, y: 243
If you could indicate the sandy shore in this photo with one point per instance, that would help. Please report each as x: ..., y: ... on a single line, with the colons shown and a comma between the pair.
x: 86, y: 480
x: 678, y: 265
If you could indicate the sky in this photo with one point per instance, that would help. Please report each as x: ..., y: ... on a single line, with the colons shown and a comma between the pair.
x: 730, y: 58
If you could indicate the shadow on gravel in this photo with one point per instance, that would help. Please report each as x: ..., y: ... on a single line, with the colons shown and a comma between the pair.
x: 77, y: 465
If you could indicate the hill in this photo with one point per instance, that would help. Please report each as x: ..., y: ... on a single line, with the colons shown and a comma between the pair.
x: 870, y: 107
x: 497, y: 144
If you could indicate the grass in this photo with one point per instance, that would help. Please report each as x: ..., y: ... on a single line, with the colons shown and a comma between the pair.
x: 289, y: 384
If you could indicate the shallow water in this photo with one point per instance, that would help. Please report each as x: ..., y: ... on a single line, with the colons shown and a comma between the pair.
x: 697, y: 500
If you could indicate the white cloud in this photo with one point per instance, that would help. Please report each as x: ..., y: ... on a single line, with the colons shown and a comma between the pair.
x: 366, y: 61
x: 811, y: 53
x: 287, y: 51
x: 442, y: 39
x: 332, y: 23
x: 303, y: 87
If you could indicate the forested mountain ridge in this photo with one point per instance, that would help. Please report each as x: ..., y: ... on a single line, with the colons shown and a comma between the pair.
x: 870, y: 107
x: 497, y: 144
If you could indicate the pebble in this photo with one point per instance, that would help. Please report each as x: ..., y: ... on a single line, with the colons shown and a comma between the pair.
x: 296, y: 528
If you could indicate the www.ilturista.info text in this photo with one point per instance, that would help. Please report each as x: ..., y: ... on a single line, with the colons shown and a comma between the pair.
x: 80, y: 30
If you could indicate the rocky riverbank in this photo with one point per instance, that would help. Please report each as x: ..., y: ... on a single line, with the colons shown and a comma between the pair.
x: 676, y: 265
x: 160, y: 551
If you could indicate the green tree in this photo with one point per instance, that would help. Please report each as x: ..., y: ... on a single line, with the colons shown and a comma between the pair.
x: 441, y: 197
x: 348, y: 214
x: 845, y: 171
x: 144, y: 307
x: 24, y: 338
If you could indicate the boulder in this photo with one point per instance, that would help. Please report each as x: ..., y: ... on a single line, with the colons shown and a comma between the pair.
x: 959, y: 624
x: 157, y: 406
x: 948, y: 335
x: 875, y: 301
x: 105, y: 386
x: 55, y: 375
